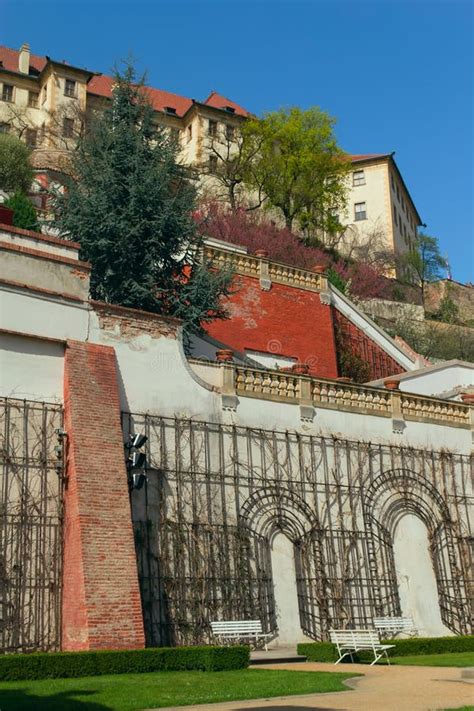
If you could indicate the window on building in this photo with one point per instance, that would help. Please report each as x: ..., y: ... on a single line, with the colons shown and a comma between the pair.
x: 33, y: 98
x: 360, y: 211
x: 358, y: 178
x: 398, y: 192
x: 190, y: 133
x: 31, y: 137
x: 44, y: 94
x: 69, y: 87
x: 7, y: 92
x: 392, y: 181
x: 230, y: 132
x: 4, y: 127
x: 212, y: 128
x: 212, y: 164
x: 68, y: 128
x: 395, y: 216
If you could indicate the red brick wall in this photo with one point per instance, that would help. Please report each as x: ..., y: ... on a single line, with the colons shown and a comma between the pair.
x: 284, y: 320
x: 380, y: 363
x: 101, y: 607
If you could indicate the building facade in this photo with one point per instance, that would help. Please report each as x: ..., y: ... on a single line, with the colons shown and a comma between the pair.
x: 380, y: 211
x: 303, y: 501
x: 48, y: 102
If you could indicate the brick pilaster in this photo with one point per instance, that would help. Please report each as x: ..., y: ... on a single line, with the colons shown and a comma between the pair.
x: 101, y: 607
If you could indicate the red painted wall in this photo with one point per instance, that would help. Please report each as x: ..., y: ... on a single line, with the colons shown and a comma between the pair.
x: 101, y: 606
x: 380, y: 363
x: 285, y: 320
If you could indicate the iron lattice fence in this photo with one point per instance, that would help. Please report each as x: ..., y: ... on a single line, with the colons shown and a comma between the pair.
x: 217, y: 494
x: 30, y: 526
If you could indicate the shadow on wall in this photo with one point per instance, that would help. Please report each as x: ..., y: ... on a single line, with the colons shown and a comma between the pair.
x: 19, y: 699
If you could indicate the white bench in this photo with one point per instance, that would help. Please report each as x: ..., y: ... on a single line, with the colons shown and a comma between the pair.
x: 395, y: 625
x: 239, y: 629
x: 350, y: 641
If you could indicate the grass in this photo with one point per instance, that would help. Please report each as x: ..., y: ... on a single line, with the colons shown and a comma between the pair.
x: 451, y: 659
x: 129, y: 692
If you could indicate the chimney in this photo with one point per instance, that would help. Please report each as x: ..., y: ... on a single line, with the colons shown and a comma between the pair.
x: 24, y: 59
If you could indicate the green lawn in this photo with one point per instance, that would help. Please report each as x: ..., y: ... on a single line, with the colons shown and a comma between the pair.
x: 451, y: 659
x: 128, y: 692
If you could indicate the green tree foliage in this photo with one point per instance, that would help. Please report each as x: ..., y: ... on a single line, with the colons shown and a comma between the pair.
x: 16, y: 173
x: 299, y: 167
x: 448, y: 311
x: 24, y: 213
x: 130, y: 206
x: 336, y: 279
x: 423, y: 263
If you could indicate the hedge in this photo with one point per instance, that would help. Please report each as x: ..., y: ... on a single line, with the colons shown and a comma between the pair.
x: 50, y: 665
x: 413, y: 646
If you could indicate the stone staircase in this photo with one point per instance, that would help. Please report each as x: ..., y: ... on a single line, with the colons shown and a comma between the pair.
x: 277, y: 655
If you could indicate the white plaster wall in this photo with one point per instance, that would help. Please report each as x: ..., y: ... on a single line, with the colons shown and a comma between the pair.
x: 155, y: 377
x: 269, y: 360
x: 40, y: 245
x: 416, y: 578
x: 31, y: 313
x: 31, y: 369
x: 438, y: 382
x: 253, y: 412
x: 44, y: 274
x: 286, y: 594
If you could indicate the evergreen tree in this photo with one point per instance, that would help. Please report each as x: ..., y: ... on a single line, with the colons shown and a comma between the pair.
x: 24, y: 213
x: 130, y: 204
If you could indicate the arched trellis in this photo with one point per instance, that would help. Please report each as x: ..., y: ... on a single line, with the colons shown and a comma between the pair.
x: 272, y: 510
x: 393, y: 494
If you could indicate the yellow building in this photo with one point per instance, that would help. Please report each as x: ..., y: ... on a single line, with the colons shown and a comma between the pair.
x: 47, y: 102
x: 380, y: 213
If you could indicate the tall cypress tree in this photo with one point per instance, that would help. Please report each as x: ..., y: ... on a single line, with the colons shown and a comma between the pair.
x: 129, y: 203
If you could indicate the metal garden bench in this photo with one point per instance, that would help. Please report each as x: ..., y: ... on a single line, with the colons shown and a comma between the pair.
x: 350, y: 641
x: 395, y: 625
x: 239, y: 630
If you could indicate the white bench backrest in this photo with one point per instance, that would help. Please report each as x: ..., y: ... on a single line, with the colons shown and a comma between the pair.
x: 237, y: 626
x: 354, y: 637
x: 393, y: 623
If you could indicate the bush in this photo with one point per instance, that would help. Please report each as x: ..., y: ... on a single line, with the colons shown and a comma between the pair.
x: 24, y: 213
x: 19, y: 667
x: 16, y: 172
x: 415, y: 646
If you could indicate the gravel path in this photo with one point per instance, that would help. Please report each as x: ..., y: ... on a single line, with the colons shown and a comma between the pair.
x: 395, y: 688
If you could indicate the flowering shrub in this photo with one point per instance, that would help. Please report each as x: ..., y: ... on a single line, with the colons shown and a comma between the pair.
x: 255, y: 231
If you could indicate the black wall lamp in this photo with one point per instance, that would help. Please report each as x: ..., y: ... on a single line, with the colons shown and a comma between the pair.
x: 135, y: 461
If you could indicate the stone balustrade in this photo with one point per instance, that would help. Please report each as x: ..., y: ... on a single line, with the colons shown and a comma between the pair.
x: 418, y: 407
x: 263, y: 268
x: 287, y: 387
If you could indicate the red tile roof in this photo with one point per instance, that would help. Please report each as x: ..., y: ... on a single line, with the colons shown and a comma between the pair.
x: 9, y: 59
x: 221, y: 102
x: 101, y: 85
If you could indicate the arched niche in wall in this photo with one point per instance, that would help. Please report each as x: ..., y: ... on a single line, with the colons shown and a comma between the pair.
x: 392, y: 496
x: 290, y: 527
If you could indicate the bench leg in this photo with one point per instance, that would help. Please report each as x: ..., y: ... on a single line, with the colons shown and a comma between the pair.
x: 342, y: 656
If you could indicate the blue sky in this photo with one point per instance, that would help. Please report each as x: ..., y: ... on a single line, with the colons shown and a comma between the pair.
x: 397, y: 75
